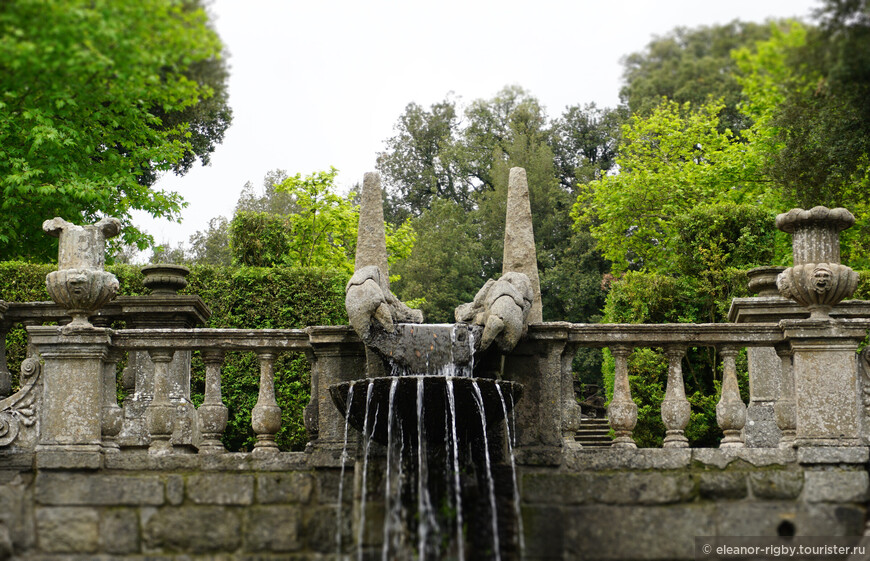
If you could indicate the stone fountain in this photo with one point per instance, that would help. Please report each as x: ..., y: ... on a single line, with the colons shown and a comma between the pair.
x: 425, y: 399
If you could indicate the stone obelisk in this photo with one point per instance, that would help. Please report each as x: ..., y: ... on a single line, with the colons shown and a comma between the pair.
x: 371, y: 241
x: 519, y: 238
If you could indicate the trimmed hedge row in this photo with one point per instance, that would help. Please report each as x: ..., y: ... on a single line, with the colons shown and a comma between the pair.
x: 239, y: 297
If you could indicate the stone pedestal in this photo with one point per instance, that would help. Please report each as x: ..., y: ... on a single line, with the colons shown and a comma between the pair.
x: 828, y: 409
x: 537, y: 364
x: 72, y: 402
x: 337, y: 356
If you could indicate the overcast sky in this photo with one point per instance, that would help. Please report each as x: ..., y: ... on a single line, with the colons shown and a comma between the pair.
x: 319, y: 84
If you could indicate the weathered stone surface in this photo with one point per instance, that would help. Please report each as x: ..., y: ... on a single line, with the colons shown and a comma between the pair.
x: 776, y: 484
x: 557, y: 488
x: 821, y: 519
x: 626, y: 532
x: 502, y: 307
x: 835, y: 486
x: 643, y: 458
x: 320, y: 525
x: 201, y: 529
x: 747, y: 518
x: 272, y: 528
x: 371, y: 243
x: 722, y: 484
x: 221, y: 489
x: 761, y: 430
x: 519, y: 239
x: 58, y: 458
x: 648, y: 488
x: 833, y: 454
x: 119, y: 531
x: 758, y: 457
x: 98, y: 489
x: 175, y: 489
x: 67, y: 529
x: 328, y: 482
x: 284, y: 488
x: 544, y: 529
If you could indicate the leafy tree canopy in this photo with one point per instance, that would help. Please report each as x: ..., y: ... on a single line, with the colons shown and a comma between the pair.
x: 691, y: 65
x: 320, y: 231
x: 97, y: 98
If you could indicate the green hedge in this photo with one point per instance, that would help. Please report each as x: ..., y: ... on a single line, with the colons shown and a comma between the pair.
x: 239, y: 297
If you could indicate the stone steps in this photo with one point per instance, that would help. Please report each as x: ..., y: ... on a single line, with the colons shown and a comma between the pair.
x: 594, y: 433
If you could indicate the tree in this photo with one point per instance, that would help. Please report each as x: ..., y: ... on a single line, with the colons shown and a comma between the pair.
x: 691, y: 65
x: 271, y: 200
x: 97, y: 98
x: 321, y: 230
x: 584, y: 141
x: 669, y: 163
x: 212, y: 246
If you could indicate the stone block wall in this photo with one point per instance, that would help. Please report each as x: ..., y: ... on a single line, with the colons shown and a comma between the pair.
x: 230, y: 507
x: 598, y: 504
x: 650, y: 504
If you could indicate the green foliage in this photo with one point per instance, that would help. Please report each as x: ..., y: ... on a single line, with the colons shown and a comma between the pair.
x: 669, y: 163
x: 248, y: 298
x: 320, y: 231
x: 97, y: 98
x: 452, y: 176
x: 691, y: 65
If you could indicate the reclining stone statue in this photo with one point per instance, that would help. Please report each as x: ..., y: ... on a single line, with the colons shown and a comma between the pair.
x: 502, y: 307
x: 368, y: 300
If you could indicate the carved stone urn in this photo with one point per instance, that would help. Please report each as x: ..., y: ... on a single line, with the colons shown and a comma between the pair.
x: 817, y: 280
x: 165, y: 278
x: 80, y: 284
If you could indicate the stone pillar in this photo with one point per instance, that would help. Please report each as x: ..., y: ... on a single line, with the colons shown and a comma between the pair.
x: 212, y: 414
x: 622, y: 411
x: 730, y: 411
x: 675, y: 407
x: 72, y: 400
x: 785, y: 405
x: 112, y: 414
x: 536, y: 363
x: 519, y: 239
x: 828, y: 408
x: 765, y: 374
x: 571, y: 413
x: 266, y: 415
x: 337, y: 355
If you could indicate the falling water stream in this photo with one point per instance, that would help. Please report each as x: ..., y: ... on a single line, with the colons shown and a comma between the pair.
x: 437, y: 529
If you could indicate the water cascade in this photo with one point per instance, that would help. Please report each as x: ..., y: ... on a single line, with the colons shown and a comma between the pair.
x: 435, y: 431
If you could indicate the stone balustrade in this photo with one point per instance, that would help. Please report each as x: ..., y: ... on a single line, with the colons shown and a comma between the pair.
x: 547, y: 416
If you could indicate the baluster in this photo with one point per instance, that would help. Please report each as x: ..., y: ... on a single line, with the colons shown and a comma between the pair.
x: 212, y: 413
x: 622, y: 411
x: 730, y: 411
x: 675, y: 406
x: 161, y: 412
x: 266, y: 415
x: 785, y: 405
x: 5, y: 375
x: 112, y: 414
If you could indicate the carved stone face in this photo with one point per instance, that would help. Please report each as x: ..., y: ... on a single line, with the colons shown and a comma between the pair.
x: 822, y: 279
x: 78, y: 285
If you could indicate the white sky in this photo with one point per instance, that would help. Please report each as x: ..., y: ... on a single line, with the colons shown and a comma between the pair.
x: 320, y: 83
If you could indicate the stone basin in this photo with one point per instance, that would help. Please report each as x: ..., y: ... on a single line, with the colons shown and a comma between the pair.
x: 435, y: 405
x: 445, y: 349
